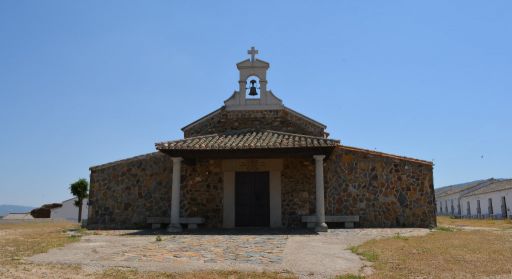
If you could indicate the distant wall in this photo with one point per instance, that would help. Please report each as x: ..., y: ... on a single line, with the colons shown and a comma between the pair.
x: 444, y: 205
x: 27, y: 221
x: 18, y: 216
x: 499, y: 209
x: 69, y: 211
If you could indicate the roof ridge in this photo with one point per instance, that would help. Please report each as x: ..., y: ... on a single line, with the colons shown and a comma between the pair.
x: 387, y: 154
x: 465, y: 187
x: 202, y: 118
x: 488, y: 188
x: 305, y: 117
x: 462, y: 184
x: 126, y: 160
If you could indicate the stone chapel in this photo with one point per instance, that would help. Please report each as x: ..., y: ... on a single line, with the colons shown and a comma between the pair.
x: 256, y: 163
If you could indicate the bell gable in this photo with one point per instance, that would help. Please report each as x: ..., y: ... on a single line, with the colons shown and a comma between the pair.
x: 253, y: 106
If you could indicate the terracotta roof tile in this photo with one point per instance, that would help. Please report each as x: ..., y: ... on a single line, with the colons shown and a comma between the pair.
x: 247, y: 139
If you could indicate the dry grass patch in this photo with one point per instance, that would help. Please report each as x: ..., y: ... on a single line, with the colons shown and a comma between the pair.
x: 442, y: 254
x: 27, y: 239
x: 132, y: 274
x: 350, y: 276
x: 477, y: 223
x: 368, y: 254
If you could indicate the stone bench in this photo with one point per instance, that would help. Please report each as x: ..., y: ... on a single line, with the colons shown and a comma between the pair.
x: 191, y: 222
x: 349, y: 221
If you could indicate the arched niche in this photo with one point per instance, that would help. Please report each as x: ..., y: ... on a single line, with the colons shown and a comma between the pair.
x: 253, y: 88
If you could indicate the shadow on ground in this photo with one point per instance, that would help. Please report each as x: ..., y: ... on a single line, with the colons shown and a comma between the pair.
x: 237, y: 231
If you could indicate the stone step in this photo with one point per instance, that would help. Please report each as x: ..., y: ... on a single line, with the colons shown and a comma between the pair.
x: 167, y: 220
x: 331, y: 219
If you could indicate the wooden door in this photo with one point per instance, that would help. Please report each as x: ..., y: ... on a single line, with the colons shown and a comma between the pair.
x: 252, y: 199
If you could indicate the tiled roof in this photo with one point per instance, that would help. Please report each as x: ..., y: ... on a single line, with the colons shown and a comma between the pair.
x: 453, y: 189
x: 497, y: 185
x: 247, y: 139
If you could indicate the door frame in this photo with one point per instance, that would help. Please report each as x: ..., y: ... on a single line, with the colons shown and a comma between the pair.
x: 273, y: 166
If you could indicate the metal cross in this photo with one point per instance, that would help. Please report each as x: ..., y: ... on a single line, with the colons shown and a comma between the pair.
x: 253, y: 53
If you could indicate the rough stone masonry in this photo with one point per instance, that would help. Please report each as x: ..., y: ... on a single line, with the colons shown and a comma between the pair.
x: 385, y: 191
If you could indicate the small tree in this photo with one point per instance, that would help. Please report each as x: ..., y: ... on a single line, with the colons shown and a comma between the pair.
x: 80, y: 189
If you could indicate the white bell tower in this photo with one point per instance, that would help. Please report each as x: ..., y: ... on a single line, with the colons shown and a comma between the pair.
x: 256, y: 97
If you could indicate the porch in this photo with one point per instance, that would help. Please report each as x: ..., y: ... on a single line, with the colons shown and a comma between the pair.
x: 252, y: 165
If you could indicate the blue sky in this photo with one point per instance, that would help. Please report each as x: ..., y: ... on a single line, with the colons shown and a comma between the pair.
x: 88, y: 82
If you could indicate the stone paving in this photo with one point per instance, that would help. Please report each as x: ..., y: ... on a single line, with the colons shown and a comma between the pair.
x: 305, y: 254
x: 213, y: 249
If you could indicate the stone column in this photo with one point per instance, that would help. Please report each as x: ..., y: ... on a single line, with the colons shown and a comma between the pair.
x: 175, y: 225
x: 321, y: 226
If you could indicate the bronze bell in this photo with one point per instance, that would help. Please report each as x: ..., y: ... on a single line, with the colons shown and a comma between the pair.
x: 252, y: 91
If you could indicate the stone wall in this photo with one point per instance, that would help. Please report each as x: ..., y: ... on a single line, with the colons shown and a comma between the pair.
x: 297, y: 190
x: 126, y: 192
x: 278, y: 120
x: 384, y: 190
x: 202, y: 192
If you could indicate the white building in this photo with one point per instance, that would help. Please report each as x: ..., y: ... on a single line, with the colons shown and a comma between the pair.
x: 69, y: 211
x: 477, y: 199
x: 494, y: 201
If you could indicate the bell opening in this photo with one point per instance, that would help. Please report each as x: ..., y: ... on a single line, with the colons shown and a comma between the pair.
x: 253, y: 88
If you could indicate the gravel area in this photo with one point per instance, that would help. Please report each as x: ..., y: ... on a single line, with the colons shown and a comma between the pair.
x: 303, y: 253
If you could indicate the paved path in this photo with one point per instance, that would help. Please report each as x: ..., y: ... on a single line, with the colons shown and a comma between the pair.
x: 307, y: 255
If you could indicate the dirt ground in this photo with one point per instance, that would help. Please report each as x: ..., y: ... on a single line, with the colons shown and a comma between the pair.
x: 457, y: 249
